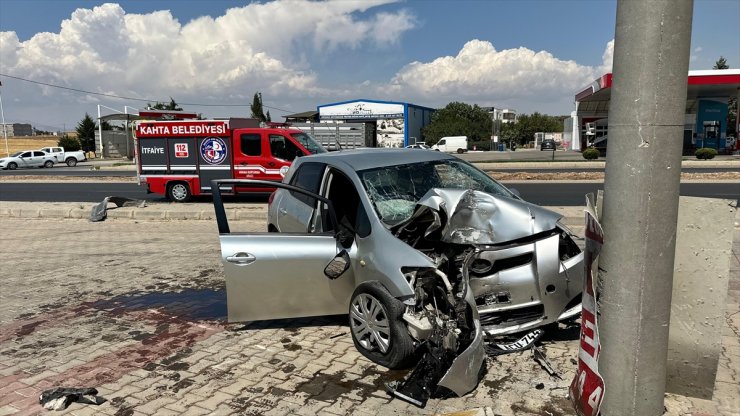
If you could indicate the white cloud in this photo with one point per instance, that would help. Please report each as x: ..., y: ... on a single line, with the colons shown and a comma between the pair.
x: 227, y: 58
x: 694, y: 56
x: 607, y: 58
x: 481, y: 74
x: 268, y: 47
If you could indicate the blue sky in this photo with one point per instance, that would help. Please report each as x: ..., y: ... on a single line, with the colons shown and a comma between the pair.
x: 530, y: 55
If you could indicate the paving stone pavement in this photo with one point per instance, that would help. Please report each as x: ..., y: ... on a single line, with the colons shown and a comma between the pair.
x: 136, y: 309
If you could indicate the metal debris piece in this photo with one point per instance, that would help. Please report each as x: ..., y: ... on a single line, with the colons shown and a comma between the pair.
x: 100, y: 211
x: 541, y: 359
x: 422, y: 383
x: 60, y: 397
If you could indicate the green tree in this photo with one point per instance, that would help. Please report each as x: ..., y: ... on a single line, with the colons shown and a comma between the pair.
x: 731, y: 104
x: 527, y: 125
x: 171, y: 106
x: 458, y: 119
x: 69, y: 144
x: 257, y: 109
x: 86, y: 133
x: 721, y: 63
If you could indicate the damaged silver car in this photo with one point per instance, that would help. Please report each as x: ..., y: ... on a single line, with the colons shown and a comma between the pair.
x: 424, y: 252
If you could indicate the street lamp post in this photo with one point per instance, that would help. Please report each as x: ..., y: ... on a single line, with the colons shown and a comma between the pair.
x: 5, y: 128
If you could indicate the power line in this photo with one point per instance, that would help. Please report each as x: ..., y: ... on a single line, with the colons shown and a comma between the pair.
x: 132, y: 98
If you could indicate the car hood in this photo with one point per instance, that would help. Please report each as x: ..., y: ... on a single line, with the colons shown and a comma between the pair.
x: 475, y: 217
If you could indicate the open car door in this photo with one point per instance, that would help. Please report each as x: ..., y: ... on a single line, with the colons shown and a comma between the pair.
x: 280, y: 275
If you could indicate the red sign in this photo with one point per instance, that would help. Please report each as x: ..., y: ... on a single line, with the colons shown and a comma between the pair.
x: 181, y: 150
x: 182, y: 129
x: 587, y: 388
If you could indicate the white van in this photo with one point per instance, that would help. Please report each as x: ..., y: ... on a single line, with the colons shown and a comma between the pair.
x: 451, y: 144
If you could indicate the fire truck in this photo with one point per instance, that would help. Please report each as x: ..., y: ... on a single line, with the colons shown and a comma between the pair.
x: 180, y: 158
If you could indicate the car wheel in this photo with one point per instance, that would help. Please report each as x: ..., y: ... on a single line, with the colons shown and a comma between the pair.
x: 12, y: 166
x: 49, y: 164
x: 376, y: 326
x: 460, y: 151
x: 71, y: 162
x: 178, y: 192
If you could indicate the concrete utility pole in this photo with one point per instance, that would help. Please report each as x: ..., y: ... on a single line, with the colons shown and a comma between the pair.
x: 646, y: 120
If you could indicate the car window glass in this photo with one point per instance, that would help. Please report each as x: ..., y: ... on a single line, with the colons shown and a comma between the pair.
x: 395, y: 190
x: 283, y: 148
x: 308, y: 177
x: 37, y: 154
x: 441, y: 142
x: 26, y: 154
x: 308, y: 142
x: 251, y: 144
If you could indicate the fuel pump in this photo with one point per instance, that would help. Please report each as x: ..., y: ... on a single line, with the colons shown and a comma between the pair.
x: 711, y: 134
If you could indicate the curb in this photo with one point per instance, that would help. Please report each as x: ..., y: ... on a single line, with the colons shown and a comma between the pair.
x: 175, y: 212
x: 572, y: 215
x: 153, y: 212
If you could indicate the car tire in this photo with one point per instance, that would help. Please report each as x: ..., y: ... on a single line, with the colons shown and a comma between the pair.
x: 48, y: 164
x: 71, y: 162
x: 12, y: 166
x: 390, y: 344
x: 179, y: 192
x: 460, y: 151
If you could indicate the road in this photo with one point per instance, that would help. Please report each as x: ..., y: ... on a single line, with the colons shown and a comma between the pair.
x: 86, y: 172
x: 541, y: 193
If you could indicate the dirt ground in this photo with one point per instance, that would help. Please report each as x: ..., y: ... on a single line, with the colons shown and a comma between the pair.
x: 18, y: 144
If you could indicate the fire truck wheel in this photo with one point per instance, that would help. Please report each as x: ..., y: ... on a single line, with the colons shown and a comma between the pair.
x: 179, y: 192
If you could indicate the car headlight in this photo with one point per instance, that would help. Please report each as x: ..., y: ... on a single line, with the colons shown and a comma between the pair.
x: 564, y: 227
x: 567, y: 246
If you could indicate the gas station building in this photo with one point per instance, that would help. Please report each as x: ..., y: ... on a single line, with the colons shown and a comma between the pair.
x: 705, y: 122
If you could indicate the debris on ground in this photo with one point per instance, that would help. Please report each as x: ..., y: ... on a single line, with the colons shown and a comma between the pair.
x: 100, y: 211
x: 60, y: 397
x: 541, y: 359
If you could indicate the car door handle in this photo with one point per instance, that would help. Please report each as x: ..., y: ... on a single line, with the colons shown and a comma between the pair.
x: 283, y: 211
x: 241, y: 259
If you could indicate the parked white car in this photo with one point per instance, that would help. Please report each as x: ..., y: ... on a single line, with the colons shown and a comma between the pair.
x: 27, y: 159
x: 61, y: 156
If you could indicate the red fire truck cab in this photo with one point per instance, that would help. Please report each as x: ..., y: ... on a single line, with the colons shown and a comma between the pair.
x: 180, y: 158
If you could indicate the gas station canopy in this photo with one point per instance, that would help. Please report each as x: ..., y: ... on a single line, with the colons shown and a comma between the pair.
x: 706, y: 115
x: 593, y: 101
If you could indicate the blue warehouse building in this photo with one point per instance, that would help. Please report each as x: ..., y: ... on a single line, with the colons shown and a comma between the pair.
x: 388, y: 123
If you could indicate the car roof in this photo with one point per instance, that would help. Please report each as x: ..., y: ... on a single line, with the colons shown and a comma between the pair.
x: 361, y: 159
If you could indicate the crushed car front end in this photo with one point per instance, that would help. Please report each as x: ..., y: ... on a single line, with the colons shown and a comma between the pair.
x: 524, y: 266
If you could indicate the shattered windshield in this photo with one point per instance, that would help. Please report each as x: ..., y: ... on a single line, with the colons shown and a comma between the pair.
x: 395, y: 190
x: 308, y: 142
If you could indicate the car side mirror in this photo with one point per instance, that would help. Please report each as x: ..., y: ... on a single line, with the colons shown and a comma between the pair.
x: 337, y: 266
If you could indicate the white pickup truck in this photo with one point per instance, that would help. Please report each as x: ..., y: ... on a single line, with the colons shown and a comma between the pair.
x: 70, y: 158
